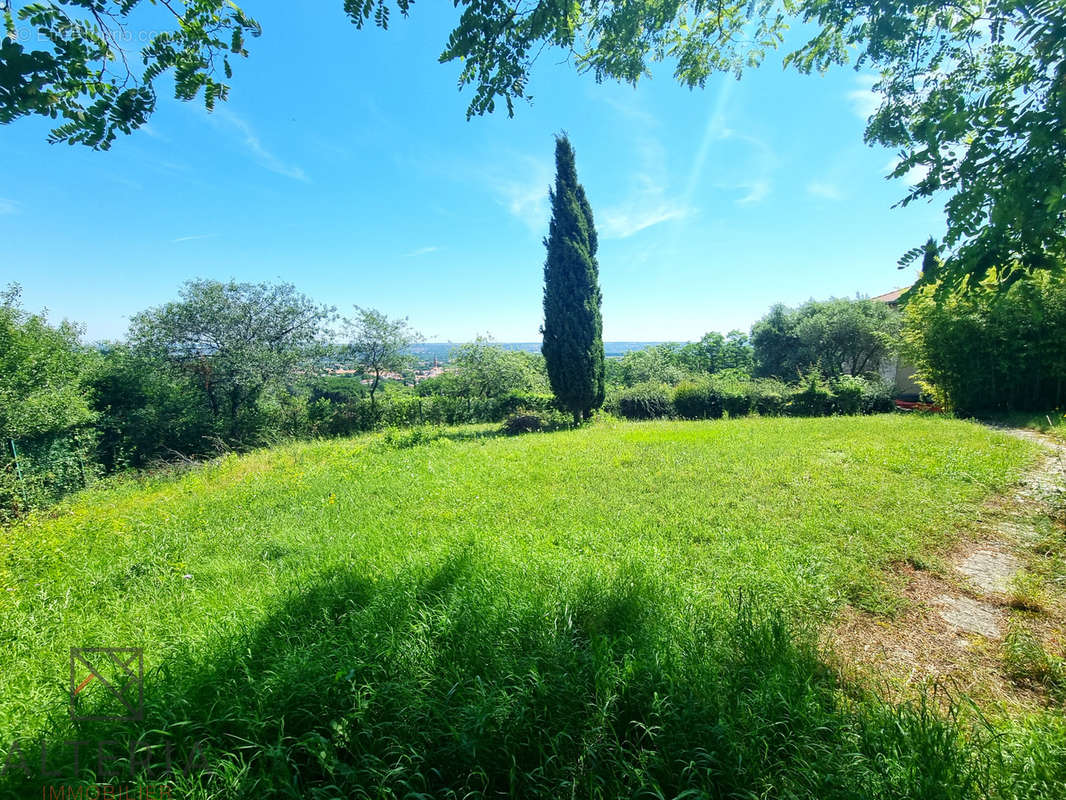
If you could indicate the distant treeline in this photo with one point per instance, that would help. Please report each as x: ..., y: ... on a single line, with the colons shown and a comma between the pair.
x: 229, y: 366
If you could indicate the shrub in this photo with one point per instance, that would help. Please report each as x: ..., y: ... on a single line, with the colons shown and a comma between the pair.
x: 521, y: 422
x: 770, y: 397
x: 444, y: 410
x: 813, y: 398
x: 347, y: 419
x: 737, y: 399
x: 735, y: 391
x: 400, y: 411
x: 697, y: 401
x: 48, y: 467
x: 856, y: 395
x: 513, y: 402
x: 877, y: 397
x: 644, y: 401
x: 848, y: 391
x: 526, y: 420
x: 318, y: 415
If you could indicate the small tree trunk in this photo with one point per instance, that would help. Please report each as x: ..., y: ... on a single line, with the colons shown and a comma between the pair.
x: 212, y: 403
x: 374, y: 388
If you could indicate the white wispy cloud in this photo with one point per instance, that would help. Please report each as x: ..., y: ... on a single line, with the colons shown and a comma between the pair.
x: 521, y: 183
x: 714, y: 130
x: 649, y: 199
x: 753, y: 169
x: 622, y: 223
x: 864, y: 100
x: 255, y: 147
x: 522, y: 188
x: 626, y: 106
x: 742, y: 162
x: 422, y: 251
x: 154, y: 133
x: 194, y: 237
x: 825, y: 189
x: 755, y: 191
x: 173, y: 166
x: 8, y: 206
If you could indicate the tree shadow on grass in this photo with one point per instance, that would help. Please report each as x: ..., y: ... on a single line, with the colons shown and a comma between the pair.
x: 465, y: 680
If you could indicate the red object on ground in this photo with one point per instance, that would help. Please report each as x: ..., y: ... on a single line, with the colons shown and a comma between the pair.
x: 905, y: 405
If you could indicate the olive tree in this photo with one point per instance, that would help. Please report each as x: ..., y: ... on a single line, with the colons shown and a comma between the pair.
x: 233, y: 341
x: 484, y: 369
x: 838, y: 336
x: 378, y: 344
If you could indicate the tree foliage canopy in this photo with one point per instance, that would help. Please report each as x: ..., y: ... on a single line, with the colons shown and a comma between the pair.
x: 484, y: 369
x: 45, y: 406
x: 42, y: 371
x: 672, y: 362
x: 378, y: 344
x: 973, y: 97
x: 838, y: 337
x: 655, y: 364
x: 232, y: 340
x: 715, y: 352
x: 85, y: 74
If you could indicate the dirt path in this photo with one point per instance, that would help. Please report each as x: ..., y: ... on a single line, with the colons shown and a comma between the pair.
x: 984, y: 621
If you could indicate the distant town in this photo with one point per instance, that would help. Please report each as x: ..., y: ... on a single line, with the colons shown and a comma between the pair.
x: 441, y: 351
x: 433, y: 358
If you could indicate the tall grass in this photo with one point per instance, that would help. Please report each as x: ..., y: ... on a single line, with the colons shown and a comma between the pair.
x: 617, y: 612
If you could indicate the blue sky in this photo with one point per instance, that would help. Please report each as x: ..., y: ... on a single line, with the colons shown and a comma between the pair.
x: 343, y: 163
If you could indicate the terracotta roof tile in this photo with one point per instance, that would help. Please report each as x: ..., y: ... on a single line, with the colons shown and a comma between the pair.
x: 889, y: 297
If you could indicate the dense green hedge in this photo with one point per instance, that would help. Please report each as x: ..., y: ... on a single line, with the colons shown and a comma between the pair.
x: 697, y: 400
x: 644, y: 401
x: 738, y: 396
x: 995, y: 346
x: 731, y: 394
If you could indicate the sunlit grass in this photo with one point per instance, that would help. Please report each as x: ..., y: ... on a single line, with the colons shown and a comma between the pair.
x: 537, y: 615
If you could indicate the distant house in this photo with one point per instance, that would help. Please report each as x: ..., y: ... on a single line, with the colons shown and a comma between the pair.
x: 897, y: 372
x: 891, y: 298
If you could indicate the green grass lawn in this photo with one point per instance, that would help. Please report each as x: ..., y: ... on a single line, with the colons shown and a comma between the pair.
x: 622, y: 610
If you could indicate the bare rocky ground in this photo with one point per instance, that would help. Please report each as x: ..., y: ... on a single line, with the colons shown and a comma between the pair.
x: 978, y: 623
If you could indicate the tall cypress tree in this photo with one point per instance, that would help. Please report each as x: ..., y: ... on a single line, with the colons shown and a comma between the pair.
x: 573, y: 328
